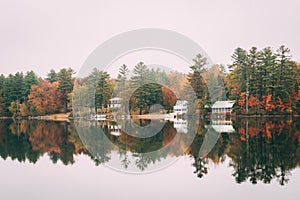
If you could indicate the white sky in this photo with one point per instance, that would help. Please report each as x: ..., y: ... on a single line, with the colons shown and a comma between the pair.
x: 40, y: 35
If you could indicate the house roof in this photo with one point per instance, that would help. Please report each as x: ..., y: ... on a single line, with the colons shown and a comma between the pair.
x: 223, y: 104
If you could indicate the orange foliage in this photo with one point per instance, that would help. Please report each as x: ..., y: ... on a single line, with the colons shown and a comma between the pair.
x: 169, y: 134
x: 169, y: 98
x: 280, y: 105
x: 269, y: 106
x: 46, y: 140
x: 242, y: 132
x: 242, y: 100
x: 45, y: 97
x: 269, y: 127
x: 253, y: 131
x: 253, y: 101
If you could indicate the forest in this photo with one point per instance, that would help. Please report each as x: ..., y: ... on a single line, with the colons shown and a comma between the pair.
x: 261, y: 82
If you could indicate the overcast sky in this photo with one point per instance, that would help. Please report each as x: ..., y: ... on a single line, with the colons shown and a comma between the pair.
x: 41, y: 35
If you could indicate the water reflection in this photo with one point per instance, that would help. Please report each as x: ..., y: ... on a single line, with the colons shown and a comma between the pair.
x: 259, y: 149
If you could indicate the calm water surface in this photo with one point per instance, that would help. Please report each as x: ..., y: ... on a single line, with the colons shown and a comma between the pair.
x: 252, y: 159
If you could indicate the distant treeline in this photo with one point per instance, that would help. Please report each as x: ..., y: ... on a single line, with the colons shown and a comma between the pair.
x: 260, y: 81
x: 28, y: 95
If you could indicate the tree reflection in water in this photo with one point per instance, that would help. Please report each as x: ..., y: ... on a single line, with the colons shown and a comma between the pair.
x: 259, y: 150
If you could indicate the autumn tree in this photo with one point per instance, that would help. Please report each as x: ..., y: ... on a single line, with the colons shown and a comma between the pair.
x: 169, y: 98
x: 44, y: 98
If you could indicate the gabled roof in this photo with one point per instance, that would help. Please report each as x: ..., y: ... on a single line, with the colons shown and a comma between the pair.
x: 223, y: 104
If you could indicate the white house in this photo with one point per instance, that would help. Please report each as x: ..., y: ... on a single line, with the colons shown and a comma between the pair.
x: 223, y: 107
x: 115, y: 102
x: 181, y: 107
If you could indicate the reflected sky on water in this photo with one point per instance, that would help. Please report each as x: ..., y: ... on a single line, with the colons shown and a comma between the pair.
x: 48, y: 160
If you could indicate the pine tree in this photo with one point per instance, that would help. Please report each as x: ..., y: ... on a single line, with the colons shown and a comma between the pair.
x: 30, y: 79
x: 196, y: 80
x: 2, y: 80
x: 122, y: 78
x: 240, y: 63
x: 139, y: 82
x: 12, y: 91
x: 65, y: 85
x: 98, y: 89
x: 52, y: 76
x: 268, y: 71
x: 285, y: 76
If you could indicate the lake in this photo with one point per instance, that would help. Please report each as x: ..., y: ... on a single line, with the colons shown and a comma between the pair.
x: 248, y: 158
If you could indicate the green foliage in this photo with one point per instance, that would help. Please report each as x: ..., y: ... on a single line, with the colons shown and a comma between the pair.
x: 12, y: 91
x: 52, y: 76
x: 30, y: 79
x: 121, y: 79
x: 196, y: 80
x: 261, y: 74
x: 66, y: 83
x: 98, y: 89
x: 147, y: 91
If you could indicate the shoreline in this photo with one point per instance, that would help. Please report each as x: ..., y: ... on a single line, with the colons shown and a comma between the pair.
x: 65, y: 117
x: 53, y: 117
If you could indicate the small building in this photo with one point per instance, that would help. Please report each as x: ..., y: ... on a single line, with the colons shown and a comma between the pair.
x: 223, y: 107
x: 114, y: 102
x: 181, y: 107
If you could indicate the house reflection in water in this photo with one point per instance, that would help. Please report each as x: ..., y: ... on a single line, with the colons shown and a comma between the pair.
x: 114, y: 129
x: 115, y: 102
x: 222, y: 125
x: 181, y: 125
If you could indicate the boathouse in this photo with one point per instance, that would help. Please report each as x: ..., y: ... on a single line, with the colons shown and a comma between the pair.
x: 223, y: 107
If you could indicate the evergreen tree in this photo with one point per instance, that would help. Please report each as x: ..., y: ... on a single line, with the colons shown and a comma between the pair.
x: 239, y: 62
x: 65, y: 85
x: 196, y: 79
x: 52, y: 76
x: 2, y: 80
x: 285, y: 74
x: 30, y: 79
x: 98, y: 89
x: 12, y: 91
x: 122, y: 78
x: 139, y: 82
x: 267, y: 70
